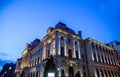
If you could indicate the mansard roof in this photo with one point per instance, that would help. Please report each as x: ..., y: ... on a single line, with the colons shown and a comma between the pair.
x: 64, y: 27
x: 34, y: 43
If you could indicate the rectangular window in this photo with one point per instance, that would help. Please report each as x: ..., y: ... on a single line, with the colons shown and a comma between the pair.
x: 93, y: 45
x: 83, y: 57
x: 97, y: 47
x: 48, y: 53
x: 62, y: 51
x: 77, y: 55
x: 70, y: 53
x: 95, y: 59
x: 69, y: 41
x: 99, y: 58
x: 102, y: 59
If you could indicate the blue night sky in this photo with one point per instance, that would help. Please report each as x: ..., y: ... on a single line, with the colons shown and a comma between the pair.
x: 21, y: 21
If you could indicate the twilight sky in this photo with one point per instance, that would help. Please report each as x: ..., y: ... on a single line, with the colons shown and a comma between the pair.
x: 21, y: 21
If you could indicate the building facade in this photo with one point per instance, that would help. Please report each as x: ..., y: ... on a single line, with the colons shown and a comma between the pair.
x: 102, y: 60
x: 63, y: 53
x: 8, y: 70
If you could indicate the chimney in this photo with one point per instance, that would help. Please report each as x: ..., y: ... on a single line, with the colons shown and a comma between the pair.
x: 80, y: 34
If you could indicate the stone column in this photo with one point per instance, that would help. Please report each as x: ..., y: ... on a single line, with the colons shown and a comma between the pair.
x: 79, y: 50
x: 53, y: 46
x: 100, y: 72
x: 104, y: 58
x: 74, y: 48
x: 108, y: 73
x: 107, y: 59
x: 92, y: 49
x: 96, y: 54
x: 44, y: 52
x: 58, y: 73
x: 65, y: 46
x: 104, y: 73
x: 59, y: 45
x: 35, y: 74
x: 100, y: 56
x: 95, y: 72
x: 81, y: 72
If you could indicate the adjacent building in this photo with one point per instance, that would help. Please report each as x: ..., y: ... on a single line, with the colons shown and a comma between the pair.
x: 102, y: 60
x: 8, y: 70
x: 63, y: 53
x: 115, y: 45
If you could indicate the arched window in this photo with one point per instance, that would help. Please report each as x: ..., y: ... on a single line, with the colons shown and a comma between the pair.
x: 97, y: 71
x: 62, y: 73
x: 71, y: 71
x: 78, y: 74
x: 84, y: 74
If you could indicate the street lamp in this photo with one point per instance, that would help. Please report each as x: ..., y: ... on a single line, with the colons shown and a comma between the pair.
x: 10, y: 68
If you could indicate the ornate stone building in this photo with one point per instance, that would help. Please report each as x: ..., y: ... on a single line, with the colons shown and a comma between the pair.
x: 63, y: 53
x: 102, y: 60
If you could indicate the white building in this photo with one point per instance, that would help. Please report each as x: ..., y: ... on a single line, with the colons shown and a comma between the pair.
x: 63, y: 53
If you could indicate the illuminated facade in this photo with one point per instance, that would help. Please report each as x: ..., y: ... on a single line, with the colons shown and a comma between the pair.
x: 63, y: 53
x: 102, y: 60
